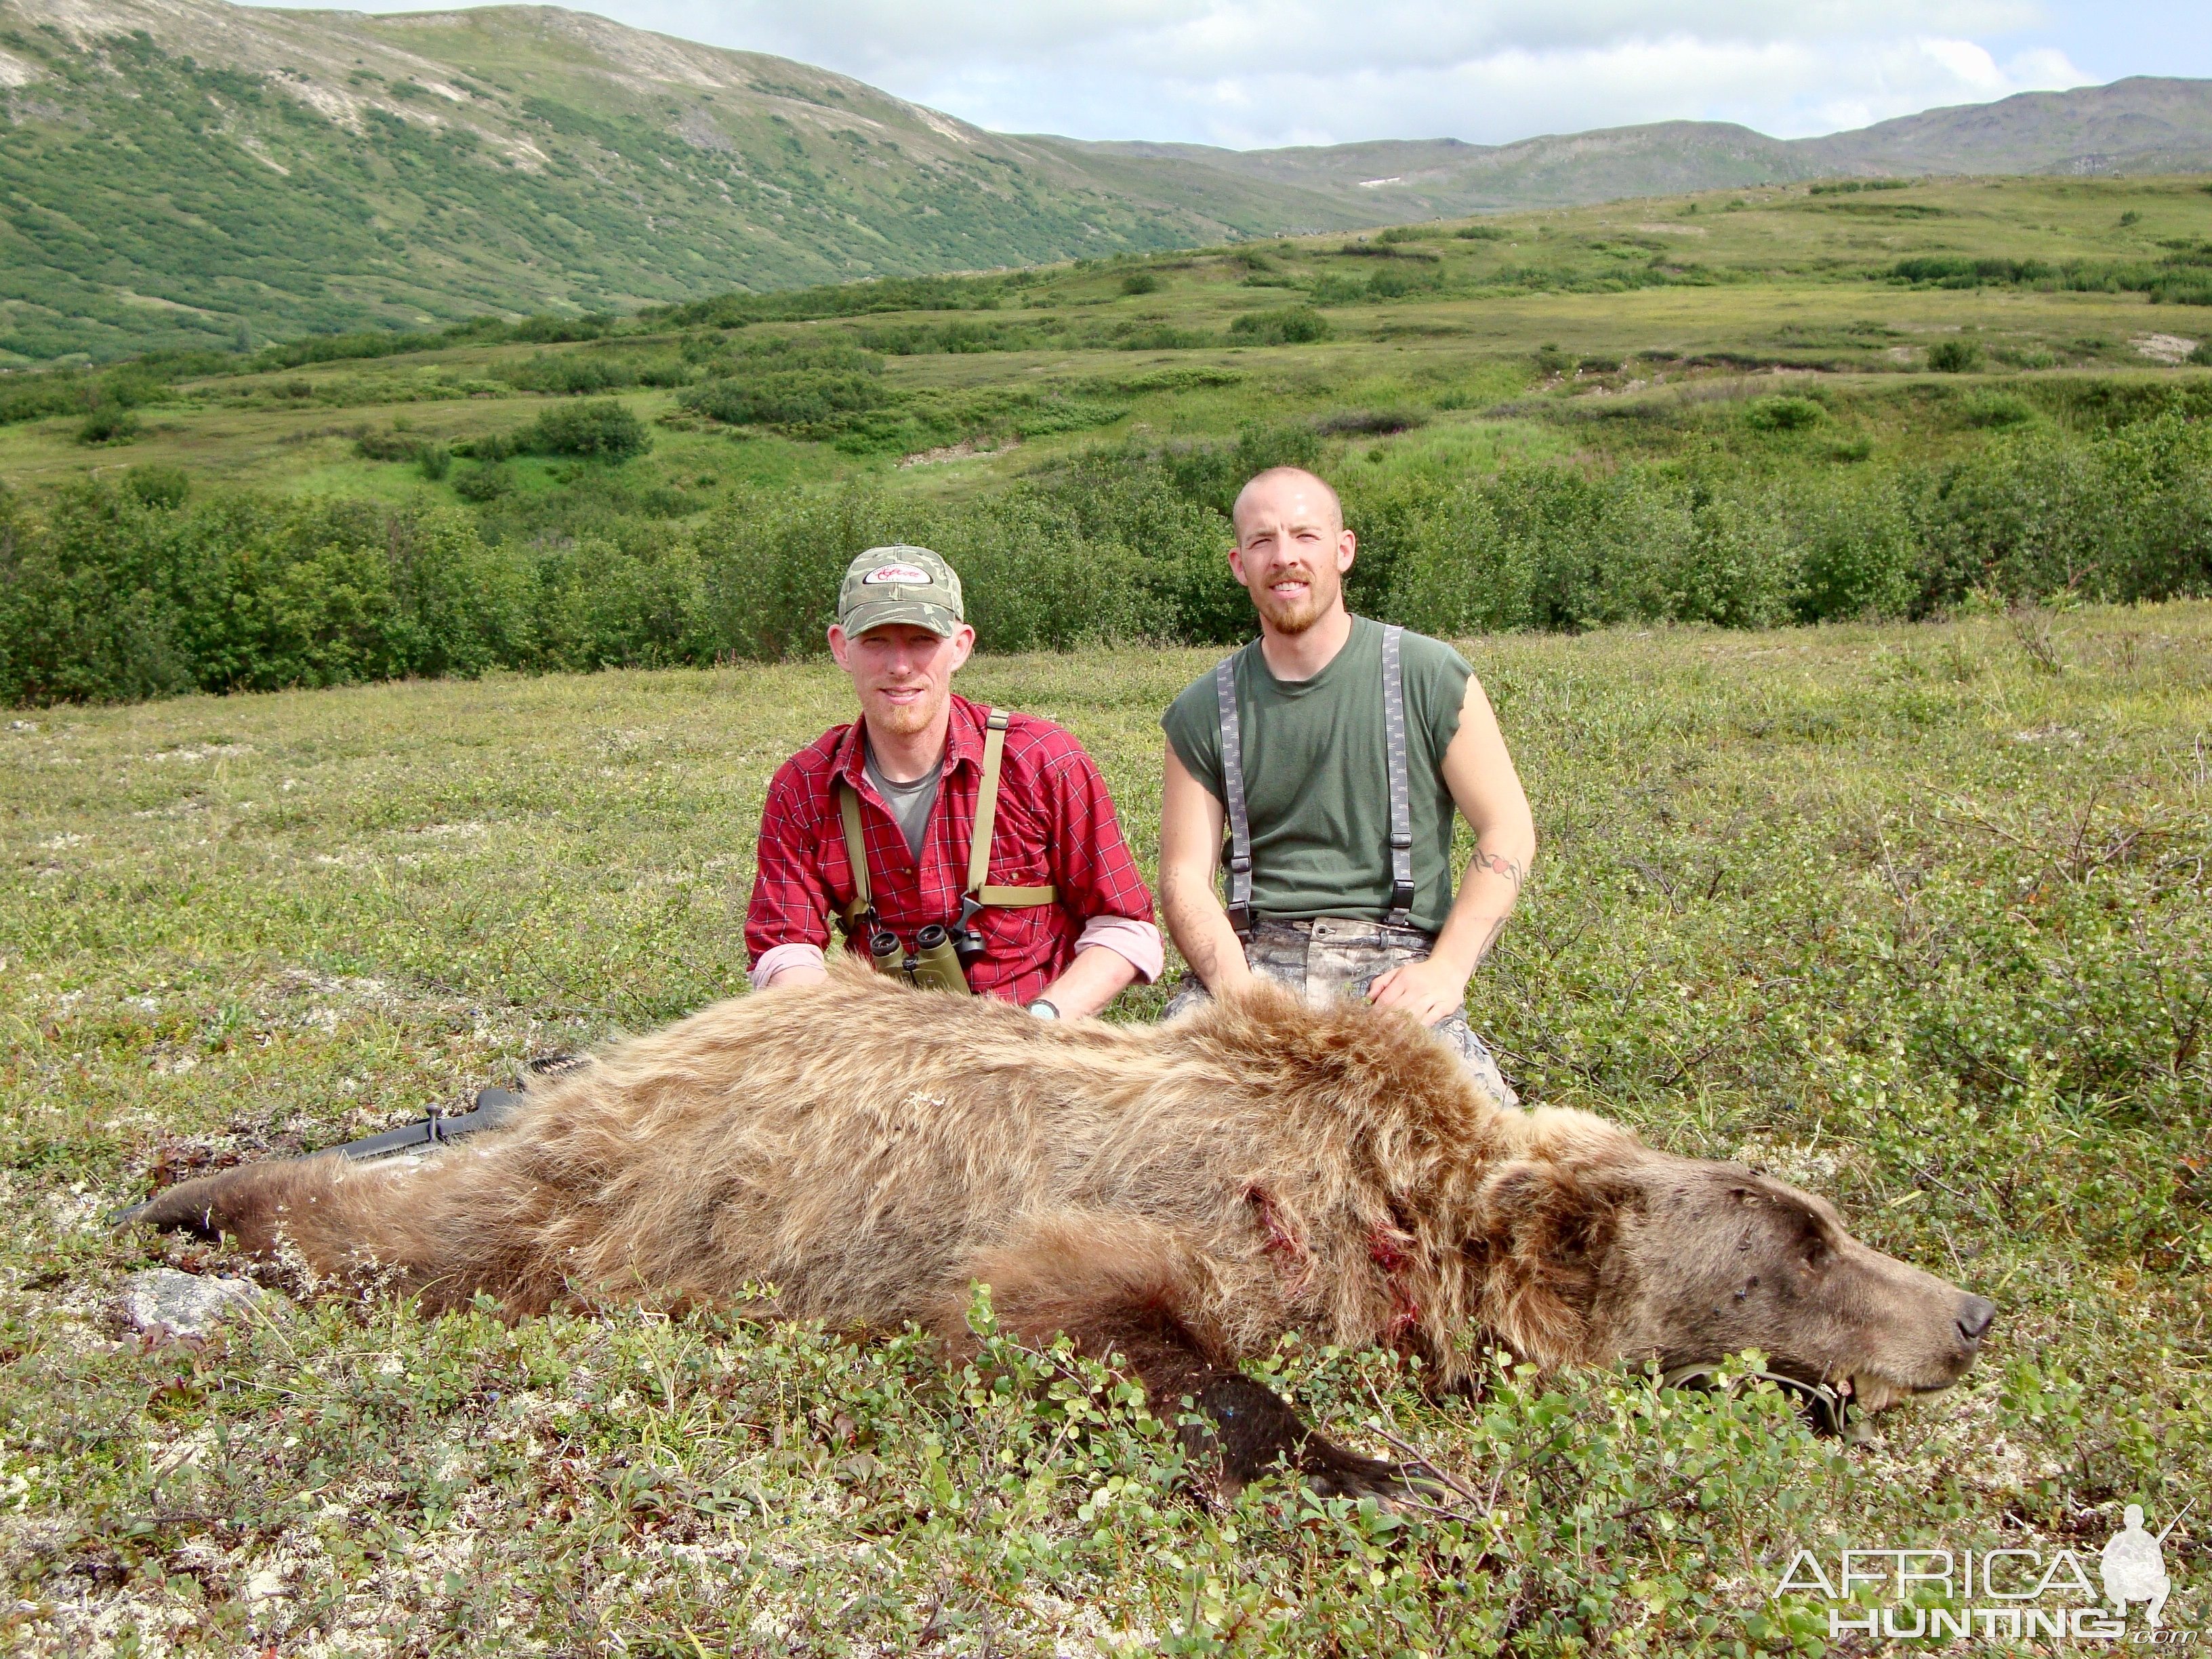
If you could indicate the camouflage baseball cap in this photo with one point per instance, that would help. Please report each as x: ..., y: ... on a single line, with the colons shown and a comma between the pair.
x: 899, y: 584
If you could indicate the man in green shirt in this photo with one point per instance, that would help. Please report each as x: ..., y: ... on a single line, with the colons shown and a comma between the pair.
x: 1345, y: 882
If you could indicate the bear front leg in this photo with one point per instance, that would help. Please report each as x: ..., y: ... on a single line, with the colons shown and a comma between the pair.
x: 1251, y: 1428
x: 1126, y: 1292
x: 246, y: 1203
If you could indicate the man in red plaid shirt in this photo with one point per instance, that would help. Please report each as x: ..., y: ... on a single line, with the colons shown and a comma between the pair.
x: 914, y: 761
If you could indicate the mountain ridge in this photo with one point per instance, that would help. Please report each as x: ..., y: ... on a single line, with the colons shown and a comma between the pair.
x: 2143, y: 124
x: 191, y: 173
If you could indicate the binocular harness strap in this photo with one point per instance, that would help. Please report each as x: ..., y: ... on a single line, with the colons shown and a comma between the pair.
x: 860, y: 914
x: 1239, y: 882
x: 986, y: 821
x: 856, y: 853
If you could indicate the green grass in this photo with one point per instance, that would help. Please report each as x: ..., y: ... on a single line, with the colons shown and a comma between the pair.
x: 1915, y: 916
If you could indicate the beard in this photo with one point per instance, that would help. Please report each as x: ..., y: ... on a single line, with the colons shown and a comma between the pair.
x: 903, y: 720
x: 1296, y: 615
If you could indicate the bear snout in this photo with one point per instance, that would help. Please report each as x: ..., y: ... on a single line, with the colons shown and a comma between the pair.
x: 1976, y: 1314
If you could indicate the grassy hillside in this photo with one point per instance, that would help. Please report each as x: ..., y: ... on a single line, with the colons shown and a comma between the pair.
x: 194, y: 173
x: 1636, y: 327
x: 1914, y: 916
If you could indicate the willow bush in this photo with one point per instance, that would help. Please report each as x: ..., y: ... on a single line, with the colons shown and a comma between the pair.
x: 109, y: 593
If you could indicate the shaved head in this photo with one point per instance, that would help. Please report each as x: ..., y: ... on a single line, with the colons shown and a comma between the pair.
x: 1288, y: 480
x: 1291, y: 549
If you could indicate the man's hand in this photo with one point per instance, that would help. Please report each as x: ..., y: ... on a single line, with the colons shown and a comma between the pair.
x: 1428, y: 990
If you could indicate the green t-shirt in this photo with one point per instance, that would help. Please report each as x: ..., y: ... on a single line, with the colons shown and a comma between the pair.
x: 1316, y: 775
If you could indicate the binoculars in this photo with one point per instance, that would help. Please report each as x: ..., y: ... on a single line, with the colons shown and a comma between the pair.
x: 933, y: 964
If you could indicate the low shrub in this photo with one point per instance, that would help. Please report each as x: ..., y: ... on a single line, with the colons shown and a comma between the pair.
x: 1395, y: 283
x: 603, y: 430
x: 1355, y: 422
x: 802, y: 385
x: 568, y: 373
x: 1955, y: 356
x: 157, y: 486
x: 1782, y: 413
x: 393, y: 445
x: 485, y: 482
x: 1988, y: 409
x: 1141, y: 282
x: 1288, y: 325
x: 111, y: 425
x: 577, y: 374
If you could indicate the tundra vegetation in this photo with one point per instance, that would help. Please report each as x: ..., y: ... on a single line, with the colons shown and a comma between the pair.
x: 1912, y: 914
x: 1795, y: 404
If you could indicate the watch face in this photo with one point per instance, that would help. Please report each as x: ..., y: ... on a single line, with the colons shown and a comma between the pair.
x: 1043, y: 1009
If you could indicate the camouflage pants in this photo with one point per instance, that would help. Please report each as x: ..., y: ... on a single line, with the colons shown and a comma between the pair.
x: 1337, y: 956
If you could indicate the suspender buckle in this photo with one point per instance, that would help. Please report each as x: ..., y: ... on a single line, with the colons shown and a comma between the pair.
x: 1401, y: 840
x: 1240, y: 919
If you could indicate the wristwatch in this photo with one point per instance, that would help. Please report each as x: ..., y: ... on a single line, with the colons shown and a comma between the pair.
x: 1043, y: 1008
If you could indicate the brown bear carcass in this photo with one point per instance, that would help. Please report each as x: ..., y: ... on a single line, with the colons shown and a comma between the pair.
x: 1174, y: 1198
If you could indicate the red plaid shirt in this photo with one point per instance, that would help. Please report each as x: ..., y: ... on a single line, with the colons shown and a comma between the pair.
x: 1056, y: 826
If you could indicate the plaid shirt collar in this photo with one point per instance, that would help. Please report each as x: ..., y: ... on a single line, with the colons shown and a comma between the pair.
x: 964, y: 744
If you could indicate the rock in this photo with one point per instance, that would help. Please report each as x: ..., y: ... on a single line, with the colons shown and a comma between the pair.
x: 163, y: 1301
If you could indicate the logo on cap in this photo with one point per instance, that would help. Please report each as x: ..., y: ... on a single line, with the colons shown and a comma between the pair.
x: 901, y: 575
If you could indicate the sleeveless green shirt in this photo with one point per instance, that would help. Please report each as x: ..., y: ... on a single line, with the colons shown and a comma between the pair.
x: 1316, y: 780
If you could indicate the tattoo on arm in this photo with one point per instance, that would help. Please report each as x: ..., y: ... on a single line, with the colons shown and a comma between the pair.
x: 1499, y: 865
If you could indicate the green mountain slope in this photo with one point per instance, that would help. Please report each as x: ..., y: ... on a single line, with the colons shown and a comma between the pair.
x: 177, y: 174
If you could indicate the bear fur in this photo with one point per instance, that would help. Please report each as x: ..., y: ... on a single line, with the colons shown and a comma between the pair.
x: 1174, y: 1198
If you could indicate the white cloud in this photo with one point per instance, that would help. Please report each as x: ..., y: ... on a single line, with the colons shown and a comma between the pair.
x: 1259, y: 72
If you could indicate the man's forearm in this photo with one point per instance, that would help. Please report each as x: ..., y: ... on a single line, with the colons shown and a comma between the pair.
x: 1094, y: 979
x: 1201, y: 929
x: 1488, y: 893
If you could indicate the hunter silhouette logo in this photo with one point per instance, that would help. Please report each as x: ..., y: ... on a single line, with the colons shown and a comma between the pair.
x: 2134, y: 1566
x: 1932, y: 1595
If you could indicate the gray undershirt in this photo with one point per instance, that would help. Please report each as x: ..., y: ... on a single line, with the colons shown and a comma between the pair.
x: 910, y: 803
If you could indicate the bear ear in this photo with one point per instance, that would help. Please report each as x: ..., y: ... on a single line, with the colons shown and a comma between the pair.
x: 1543, y: 1233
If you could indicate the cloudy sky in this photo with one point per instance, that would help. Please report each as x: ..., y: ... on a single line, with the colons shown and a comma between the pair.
x: 1262, y: 72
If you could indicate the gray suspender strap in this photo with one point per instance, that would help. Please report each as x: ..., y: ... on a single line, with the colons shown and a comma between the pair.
x: 1232, y: 788
x: 1401, y: 810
